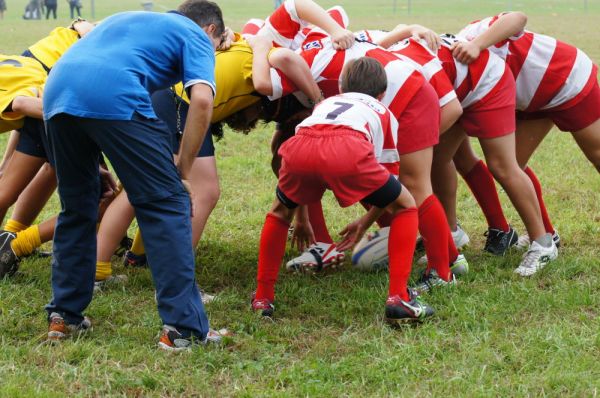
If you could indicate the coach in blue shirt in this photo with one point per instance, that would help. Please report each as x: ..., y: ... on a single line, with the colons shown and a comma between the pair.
x: 97, y: 98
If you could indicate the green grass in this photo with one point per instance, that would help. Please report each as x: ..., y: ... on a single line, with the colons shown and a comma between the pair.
x: 495, y: 334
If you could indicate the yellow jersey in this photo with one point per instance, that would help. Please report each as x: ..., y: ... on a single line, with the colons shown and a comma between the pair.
x: 19, y: 76
x: 49, y: 49
x: 233, y: 77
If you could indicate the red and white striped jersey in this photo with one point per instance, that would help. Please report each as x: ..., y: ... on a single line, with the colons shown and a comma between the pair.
x: 286, y: 29
x: 326, y: 66
x: 548, y: 73
x: 364, y: 114
x: 252, y: 27
x: 475, y: 81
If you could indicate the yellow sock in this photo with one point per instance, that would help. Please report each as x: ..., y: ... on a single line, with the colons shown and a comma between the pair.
x: 103, y: 270
x: 14, y: 226
x: 26, y: 241
x: 137, y: 247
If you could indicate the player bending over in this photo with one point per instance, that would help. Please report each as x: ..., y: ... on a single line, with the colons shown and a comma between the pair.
x: 361, y: 130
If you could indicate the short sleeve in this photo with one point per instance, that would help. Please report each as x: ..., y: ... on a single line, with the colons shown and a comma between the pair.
x: 198, y: 61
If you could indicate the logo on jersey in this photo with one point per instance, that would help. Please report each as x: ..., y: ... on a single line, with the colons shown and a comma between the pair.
x: 12, y: 62
x: 362, y: 36
x: 312, y: 45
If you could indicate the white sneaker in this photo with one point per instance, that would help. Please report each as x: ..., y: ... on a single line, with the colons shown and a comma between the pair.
x: 315, y: 258
x: 113, y: 280
x: 460, y: 237
x: 461, y: 240
x: 536, y: 258
x: 524, y: 242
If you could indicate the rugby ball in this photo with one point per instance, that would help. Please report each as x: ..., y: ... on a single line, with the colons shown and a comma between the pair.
x: 371, y: 253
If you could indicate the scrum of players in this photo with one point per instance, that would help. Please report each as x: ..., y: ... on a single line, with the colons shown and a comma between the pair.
x: 378, y: 117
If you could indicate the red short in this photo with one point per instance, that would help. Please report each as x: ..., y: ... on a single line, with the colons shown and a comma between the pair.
x: 341, y: 160
x: 494, y: 115
x: 577, y: 117
x: 419, y: 123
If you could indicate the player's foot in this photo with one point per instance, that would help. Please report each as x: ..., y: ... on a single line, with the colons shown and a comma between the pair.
x: 460, y: 237
x: 124, y: 246
x: 173, y: 341
x: 536, y: 258
x: 59, y: 329
x: 133, y: 260
x: 111, y: 281
x: 9, y: 262
x: 315, y: 258
x: 460, y: 266
x: 206, y: 298
x: 524, y: 242
x: 398, y: 311
x: 498, y: 242
x: 431, y: 280
x: 263, y: 306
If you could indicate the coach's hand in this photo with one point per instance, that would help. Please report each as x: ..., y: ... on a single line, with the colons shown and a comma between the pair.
x: 109, y: 185
x: 188, y: 187
x: 342, y: 39
x: 465, y: 52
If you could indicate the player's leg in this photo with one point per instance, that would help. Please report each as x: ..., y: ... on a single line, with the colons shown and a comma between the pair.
x: 588, y: 140
x: 21, y: 169
x: 11, y: 145
x: 34, y: 197
x: 529, y: 135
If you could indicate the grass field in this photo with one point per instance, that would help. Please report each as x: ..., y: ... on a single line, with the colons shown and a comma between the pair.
x: 495, y: 334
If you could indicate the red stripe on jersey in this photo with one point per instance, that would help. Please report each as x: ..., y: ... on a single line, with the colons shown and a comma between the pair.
x: 555, y: 76
x: 381, y: 55
x: 406, y: 93
x: 334, y: 69
x: 252, y: 27
x: 518, y: 50
x: 477, y: 67
x: 283, y: 23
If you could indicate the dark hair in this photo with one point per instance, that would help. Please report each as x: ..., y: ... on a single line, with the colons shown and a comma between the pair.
x: 287, y: 111
x: 204, y: 13
x: 364, y: 75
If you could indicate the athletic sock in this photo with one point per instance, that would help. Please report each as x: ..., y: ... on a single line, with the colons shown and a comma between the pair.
x: 481, y: 183
x: 318, y: 223
x: 103, y: 270
x: 137, y: 247
x: 545, y: 240
x: 452, y: 250
x: 434, y: 229
x: 14, y: 226
x: 270, y: 253
x: 538, y: 192
x: 401, y: 245
x: 26, y: 241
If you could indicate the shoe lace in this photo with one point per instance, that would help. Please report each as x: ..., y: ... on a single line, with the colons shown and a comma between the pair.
x: 530, y: 258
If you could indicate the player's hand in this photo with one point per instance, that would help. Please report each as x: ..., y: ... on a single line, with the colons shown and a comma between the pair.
x: 303, y: 235
x: 188, y: 187
x: 432, y: 39
x: 351, y: 235
x: 465, y: 52
x: 227, y: 38
x: 342, y: 39
x: 109, y: 185
x: 261, y: 42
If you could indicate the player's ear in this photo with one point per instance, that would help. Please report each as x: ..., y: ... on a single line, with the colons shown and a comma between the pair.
x: 380, y: 96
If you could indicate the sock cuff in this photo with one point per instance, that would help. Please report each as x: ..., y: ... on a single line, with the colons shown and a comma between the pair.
x: 405, y: 212
x: 137, y: 246
x: 430, y: 201
x: 14, y: 226
x: 103, y: 270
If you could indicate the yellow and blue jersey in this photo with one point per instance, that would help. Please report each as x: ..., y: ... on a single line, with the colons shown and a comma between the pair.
x: 19, y: 76
x: 49, y: 49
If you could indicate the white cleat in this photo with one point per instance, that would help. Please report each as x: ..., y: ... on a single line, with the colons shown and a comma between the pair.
x: 315, y: 258
x: 536, y: 258
x: 524, y: 242
x: 461, y: 240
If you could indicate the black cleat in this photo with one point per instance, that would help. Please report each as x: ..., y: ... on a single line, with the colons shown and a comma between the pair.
x: 9, y: 262
x: 498, y: 242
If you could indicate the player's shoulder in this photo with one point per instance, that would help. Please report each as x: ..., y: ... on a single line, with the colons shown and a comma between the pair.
x: 365, y: 100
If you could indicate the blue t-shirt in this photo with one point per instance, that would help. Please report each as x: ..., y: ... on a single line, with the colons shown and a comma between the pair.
x: 111, y: 72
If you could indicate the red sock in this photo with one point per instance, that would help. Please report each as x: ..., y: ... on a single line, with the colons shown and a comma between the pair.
x: 401, y: 245
x: 538, y: 191
x: 481, y: 183
x: 270, y: 254
x: 434, y: 229
x: 317, y: 221
x: 386, y: 218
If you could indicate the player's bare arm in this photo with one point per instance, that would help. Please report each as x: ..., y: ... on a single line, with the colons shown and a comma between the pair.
x: 294, y: 66
x: 356, y: 229
x: 506, y: 26
x: 28, y: 106
x: 416, y: 32
x: 313, y: 13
